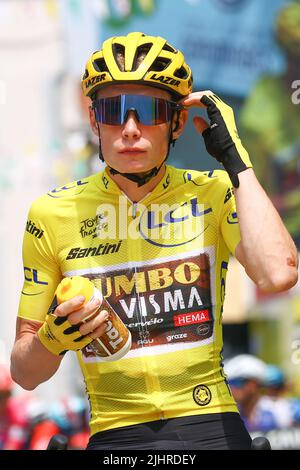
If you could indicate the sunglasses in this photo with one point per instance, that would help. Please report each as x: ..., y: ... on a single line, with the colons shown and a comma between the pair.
x: 150, y: 111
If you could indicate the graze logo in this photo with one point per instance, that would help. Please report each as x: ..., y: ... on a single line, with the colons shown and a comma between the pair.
x: 296, y: 94
x: 176, y: 337
x: 33, y: 229
x: 163, y: 225
x: 89, y: 227
x: 103, y: 249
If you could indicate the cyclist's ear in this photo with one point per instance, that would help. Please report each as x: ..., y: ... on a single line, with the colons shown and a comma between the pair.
x: 93, y: 121
x: 179, y: 122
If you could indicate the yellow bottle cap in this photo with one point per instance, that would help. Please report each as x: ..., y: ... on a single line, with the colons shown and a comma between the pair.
x: 70, y: 287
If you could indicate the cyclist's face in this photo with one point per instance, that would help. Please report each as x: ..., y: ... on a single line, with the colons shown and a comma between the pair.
x: 133, y: 147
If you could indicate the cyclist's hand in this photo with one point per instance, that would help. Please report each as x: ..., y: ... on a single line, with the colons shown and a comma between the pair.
x: 72, y: 326
x: 220, y: 136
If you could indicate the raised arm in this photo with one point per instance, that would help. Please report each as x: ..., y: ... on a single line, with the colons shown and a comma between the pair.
x: 266, y: 249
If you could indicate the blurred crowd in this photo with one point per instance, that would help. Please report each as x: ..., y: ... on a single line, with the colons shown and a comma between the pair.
x: 265, y: 399
x: 28, y: 423
x: 262, y: 392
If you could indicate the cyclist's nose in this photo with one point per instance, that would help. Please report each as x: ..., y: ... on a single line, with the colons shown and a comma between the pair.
x: 131, y: 128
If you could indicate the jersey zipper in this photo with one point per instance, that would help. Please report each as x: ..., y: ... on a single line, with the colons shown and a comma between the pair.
x: 151, y: 375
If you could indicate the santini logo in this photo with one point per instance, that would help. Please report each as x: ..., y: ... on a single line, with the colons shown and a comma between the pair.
x: 95, y: 251
x: 33, y: 229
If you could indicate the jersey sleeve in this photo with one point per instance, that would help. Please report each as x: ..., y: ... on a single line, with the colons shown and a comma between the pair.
x: 229, y: 223
x: 41, y: 270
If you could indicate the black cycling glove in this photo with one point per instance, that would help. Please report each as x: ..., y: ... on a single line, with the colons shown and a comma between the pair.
x: 222, y: 140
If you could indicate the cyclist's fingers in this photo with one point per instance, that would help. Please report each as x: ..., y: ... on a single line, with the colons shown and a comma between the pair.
x: 96, y: 324
x: 200, y: 124
x: 88, y: 310
x: 72, y: 305
x: 193, y: 99
x: 98, y: 332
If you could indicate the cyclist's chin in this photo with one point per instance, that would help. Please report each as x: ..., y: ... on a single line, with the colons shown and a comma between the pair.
x: 135, y: 166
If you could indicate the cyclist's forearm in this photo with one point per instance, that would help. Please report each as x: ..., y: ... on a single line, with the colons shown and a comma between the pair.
x: 269, y: 253
x: 31, y: 362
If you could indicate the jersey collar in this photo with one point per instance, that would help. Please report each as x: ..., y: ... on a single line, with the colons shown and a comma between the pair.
x: 108, y: 185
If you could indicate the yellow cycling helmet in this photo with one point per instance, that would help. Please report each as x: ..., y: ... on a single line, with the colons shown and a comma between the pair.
x: 162, y: 66
x: 288, y: 28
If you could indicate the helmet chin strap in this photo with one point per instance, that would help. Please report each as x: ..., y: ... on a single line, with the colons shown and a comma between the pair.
x: 142, y: 178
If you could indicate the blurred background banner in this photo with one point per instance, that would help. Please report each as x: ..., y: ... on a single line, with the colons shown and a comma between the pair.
x: 228, y: 44
x: 243, y: 49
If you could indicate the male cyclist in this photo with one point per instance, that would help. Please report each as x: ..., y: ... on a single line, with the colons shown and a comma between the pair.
x: 156, y: 240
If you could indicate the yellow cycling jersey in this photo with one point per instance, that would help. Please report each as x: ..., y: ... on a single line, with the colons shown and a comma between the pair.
x: 161, y: 263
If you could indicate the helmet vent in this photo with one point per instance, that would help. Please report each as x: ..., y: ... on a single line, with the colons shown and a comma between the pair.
x: 100, y: 65
x: 181, y: 73
x: 85, y: 75
x: 141, y: 53
x: 119, y: 54
x: 169, y: 48
x: 160, y: 64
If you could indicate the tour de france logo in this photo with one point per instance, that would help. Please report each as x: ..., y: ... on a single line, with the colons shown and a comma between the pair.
x: 202, y: 395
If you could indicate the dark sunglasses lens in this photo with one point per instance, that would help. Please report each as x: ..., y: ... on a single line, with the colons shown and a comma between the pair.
x: 150, y: 111
x: 107, y: 110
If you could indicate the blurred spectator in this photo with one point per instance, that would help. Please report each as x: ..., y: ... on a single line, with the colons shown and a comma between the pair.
x: 275, y: 382
x: 71, y: 415
x: 276, y: 387
x: 14, y: 420
x: 28, y: 423
x: 68, y: 416
x: 246, y: 377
